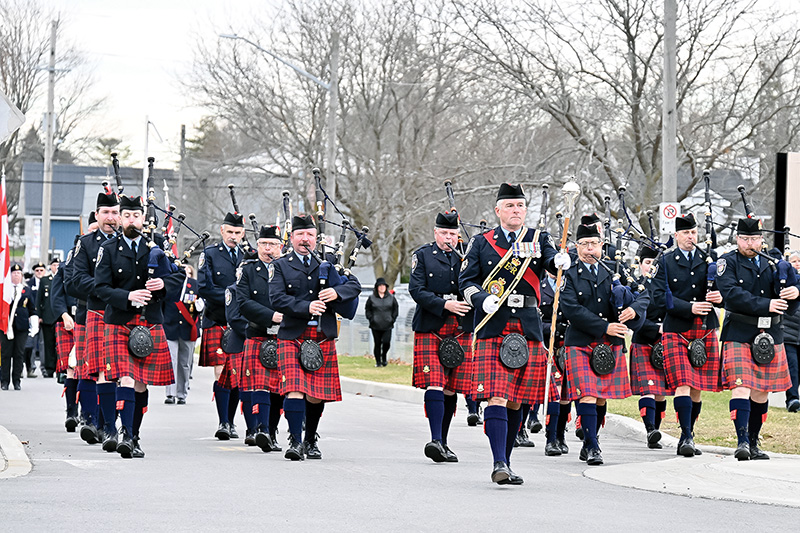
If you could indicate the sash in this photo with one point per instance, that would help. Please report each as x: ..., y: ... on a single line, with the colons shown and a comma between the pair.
x: 188, y: 316
x: 528, y: 275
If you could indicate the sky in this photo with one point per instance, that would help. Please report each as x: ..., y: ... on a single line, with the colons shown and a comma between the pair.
x: 139, y: 51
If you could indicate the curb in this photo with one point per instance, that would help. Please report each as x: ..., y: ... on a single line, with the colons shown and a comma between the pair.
x: 15, y: 460
x: 628, y: 428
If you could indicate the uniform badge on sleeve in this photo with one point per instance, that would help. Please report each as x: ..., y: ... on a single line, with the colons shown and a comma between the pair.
x: 722, y: 264
x: 99, y: 254
x: 228, y: 297
x: 464, y: 264
x: 271, y: 271
x: 238, y: 274
x: 414, y: 262
x: 69, y: 257
x: 77, y: 247
x: 202, y: 260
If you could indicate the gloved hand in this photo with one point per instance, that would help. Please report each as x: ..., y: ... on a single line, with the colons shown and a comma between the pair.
x: 562, y: 260
x: 491, y: 304
x: 199, y: 305
x: 34, y: 326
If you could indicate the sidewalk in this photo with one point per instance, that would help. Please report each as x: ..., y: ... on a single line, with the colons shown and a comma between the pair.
x: 715, y: 475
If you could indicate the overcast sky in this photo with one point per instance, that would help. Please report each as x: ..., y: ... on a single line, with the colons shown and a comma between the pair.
x: 139, y: 50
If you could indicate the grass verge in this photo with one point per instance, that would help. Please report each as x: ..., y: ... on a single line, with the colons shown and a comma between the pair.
x: 363, y: 367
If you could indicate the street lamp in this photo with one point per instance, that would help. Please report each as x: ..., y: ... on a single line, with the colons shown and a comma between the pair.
x: 333, y: 98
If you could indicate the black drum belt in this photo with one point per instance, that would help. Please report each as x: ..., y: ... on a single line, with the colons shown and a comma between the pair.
x: 517, y: 301
x: 753, y: 320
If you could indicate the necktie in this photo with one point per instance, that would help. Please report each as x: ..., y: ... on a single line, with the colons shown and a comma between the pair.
x: 306, y: 262
x: 233, y: 255
x: 594, y: 270
x: 756, y: 261
x: 133, y: 247
x: 512, y: 237
x: 691, y: 257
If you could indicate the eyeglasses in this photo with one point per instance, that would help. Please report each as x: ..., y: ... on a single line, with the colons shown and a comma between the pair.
x: 755, y: 238
x: 589, y: 244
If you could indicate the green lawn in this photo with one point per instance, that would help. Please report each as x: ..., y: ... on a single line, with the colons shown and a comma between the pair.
x: 363, y: 367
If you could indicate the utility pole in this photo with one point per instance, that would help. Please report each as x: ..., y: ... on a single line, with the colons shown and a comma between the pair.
x: 49, y: 148
x: 333, y: 107
x: 145, y: 168
x: 181, y: 176
x: 669, y: 132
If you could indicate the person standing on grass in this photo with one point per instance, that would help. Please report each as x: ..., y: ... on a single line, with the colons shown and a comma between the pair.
x: 381, y: 310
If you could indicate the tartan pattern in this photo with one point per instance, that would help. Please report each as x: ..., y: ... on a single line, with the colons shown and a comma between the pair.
x: 229, y: 378
x: 80, y: 339
x: 644, y: 378
x: 324, y: 383
x: 211, y: 353
x: 582, y: 381
x: 739, y: 369
x: 155, y: 369
x: 679, y: 370
x: 95, y: 343
x: 65, y: 340
x: 253, y: 375
x: 429, y: 372
x: 490, y: 378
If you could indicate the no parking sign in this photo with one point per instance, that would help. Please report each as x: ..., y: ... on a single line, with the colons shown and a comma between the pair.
x: 667, y: 213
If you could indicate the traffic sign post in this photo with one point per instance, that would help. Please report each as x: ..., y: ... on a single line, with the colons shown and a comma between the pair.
x: 667, y: 213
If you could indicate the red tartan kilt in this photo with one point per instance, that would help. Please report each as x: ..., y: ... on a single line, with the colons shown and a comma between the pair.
x: 490, y: 378
x: 229, y: 378
x: 65, y: 340
x: 155, y: 369
x: 429, y: 372
x: 677, y: 368
x: 95, y: 343
x: 582, y: 381
x: 253, y: 375
x: 80, y: 341
x: 644, y: 378
x: 740, y: 370
x: 211, y: 353
x: 324, y: 383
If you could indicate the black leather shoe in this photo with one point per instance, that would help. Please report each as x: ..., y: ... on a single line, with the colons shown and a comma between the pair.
x: 472, y: 419
x: 653, y: 436
x: 273, y: 435
x: 579, y: 433
x: 137, y: 452
x: 522, y: 439
x: 312, y: 450
x: 435, y: 451
x: 594, y: 458
x: 756, y: 453
x: 124, y: 443
x: 742, y: 452
x: 110, y: 443
x: 170, y: 400
x: 17, y: 386
x: 658, y: 446
x: 552, y: 449
x: 562, y: 444
x: 793, y: 406
x: 223, y: 432
x: 181, y: 401
x: 697, y: 451
x: 584, y: 453
x: 263, y: 440
x: 234, y: 435
x: 513, y: 479
x: 89, y: 433
x: 4, y: 386
x: 687, y: 448
x: 501, y: 473
x: 71, y: 424
x: 535, y: 426
x: 450, y: 455
x: 295, y: 450
x: 250, y: 438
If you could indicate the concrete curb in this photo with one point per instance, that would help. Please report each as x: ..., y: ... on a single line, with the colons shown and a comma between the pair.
x: 628, y: 428
x: 15, y: 460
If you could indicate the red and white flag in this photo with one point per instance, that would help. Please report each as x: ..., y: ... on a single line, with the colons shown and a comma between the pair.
x: 5, y: 259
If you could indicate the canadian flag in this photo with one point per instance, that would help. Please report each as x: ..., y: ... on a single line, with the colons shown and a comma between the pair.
x: 5, y: 259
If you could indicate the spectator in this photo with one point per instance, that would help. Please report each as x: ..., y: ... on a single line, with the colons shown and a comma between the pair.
x: 22, y: 321
x: 34, y: 348
x: 381, y: 310
x: 47, y: 320
x: 791, y: 343
x: 181, y: 329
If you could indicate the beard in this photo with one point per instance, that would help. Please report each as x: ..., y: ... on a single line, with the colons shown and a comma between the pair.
x: 131, y: 232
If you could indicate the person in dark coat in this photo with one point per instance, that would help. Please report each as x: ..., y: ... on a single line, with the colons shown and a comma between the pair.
x: 21, y: 314
x: 381, y: 310
x: 48, y: 320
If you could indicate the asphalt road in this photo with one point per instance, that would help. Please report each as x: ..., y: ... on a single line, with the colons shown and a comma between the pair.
x: 373, y: 476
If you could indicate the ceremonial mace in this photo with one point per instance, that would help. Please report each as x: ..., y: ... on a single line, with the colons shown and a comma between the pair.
x: 571, y: 191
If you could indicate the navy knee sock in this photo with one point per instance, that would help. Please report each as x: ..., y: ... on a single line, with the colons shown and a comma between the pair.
x: 683, y: 406
x: 107, y: 397
x: 126, y: 403
x: 601, y: 416
x: 247, y: 409
x: 514, y: 421
x: 222, y: 398
x: 450, y: 403
x: 233, y: 404
x: 261, y: 410
x: 140, y: 408
x: 70, y: 395
x: 87, y: 391
x: 275, y: 407
x: 661, y: 411
x: 647, y: 410
x: 313, y: 414
x: 434, y: 410
x: 564, y: 410
x: 295, y: 411
x: 533, y: 413
x: 740, y: 414
x: 551, y: 421
x: 758, y: 415
x: 588, y: 414
x: 495, y: 425
x: 696, y: 408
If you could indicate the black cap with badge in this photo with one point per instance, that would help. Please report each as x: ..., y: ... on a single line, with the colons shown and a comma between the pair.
x: 447, y: 221
x: 234, y: 219
x: 510, y: 192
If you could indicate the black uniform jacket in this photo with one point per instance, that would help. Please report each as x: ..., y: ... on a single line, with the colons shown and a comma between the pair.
x: 81, y: 284
x: 650, y: 333
x: 43, y: 297
x: 176, y: 326
x: 237, y: 324
x: 292, y: 288
x: 217, y: 271
x: 434, y: 275
x: 589, y: 306
x: 479, y: 263
x: 26, y: 308
x: 118, y: 273
x: 688, y: 285
x: 253, y: 296
x: 746, y: 291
